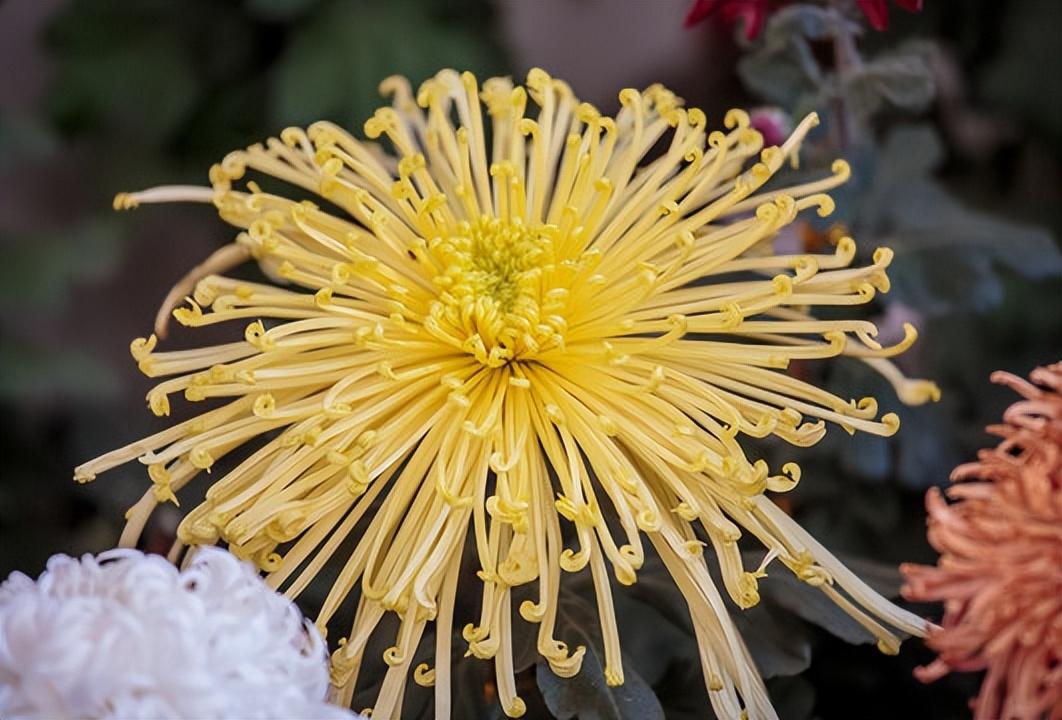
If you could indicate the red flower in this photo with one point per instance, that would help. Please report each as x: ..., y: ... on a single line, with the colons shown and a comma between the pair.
x: 877, y: 11
x: 753, y: 12
x: 773, y: 123
x: 1000, y: 570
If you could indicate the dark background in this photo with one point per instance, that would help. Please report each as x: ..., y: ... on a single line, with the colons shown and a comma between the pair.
x: 100, y: 96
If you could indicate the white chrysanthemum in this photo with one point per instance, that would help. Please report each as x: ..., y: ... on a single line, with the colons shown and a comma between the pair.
x: 127, y: 635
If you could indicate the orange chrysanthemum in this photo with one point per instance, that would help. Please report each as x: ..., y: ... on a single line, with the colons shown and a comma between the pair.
x: 1000, y: 571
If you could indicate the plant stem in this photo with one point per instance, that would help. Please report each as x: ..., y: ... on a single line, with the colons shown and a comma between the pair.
x: 846, y: 59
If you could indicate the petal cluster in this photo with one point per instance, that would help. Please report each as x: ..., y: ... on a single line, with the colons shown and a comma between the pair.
x: 126, y: 635
x: 509, y: 322
x: 877, y: 11
x: 1000, y: 571
x: 754, y: 13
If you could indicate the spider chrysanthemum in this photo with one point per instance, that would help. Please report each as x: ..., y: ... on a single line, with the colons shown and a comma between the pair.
x: 1000, y: 569
x: 518, y: 320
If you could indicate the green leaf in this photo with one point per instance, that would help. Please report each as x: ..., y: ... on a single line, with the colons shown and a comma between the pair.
x: 776, y: 78
x: 970, y: 282
x: 805, y: 21
x: 881, y: 577
x: 782, y: 68
x: 811, y: 604
x: 903, y: 80
x: 778, y: 642
x: 910, y: 151
x: 586, y: 695
x: 947, y: 255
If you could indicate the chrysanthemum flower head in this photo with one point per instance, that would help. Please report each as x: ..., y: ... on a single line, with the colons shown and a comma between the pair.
x: 1000, y: 571
x: 127, y: 635
x: 512, y: 318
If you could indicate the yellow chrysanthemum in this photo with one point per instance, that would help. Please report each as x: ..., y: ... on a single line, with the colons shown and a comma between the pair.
x: 500, y: 320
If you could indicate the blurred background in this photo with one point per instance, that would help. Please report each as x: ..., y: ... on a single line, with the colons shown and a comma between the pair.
x: 951, y: 118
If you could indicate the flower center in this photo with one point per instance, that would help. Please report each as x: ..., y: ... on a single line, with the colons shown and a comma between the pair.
x: 501, y: 292
x: 496, y: 261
